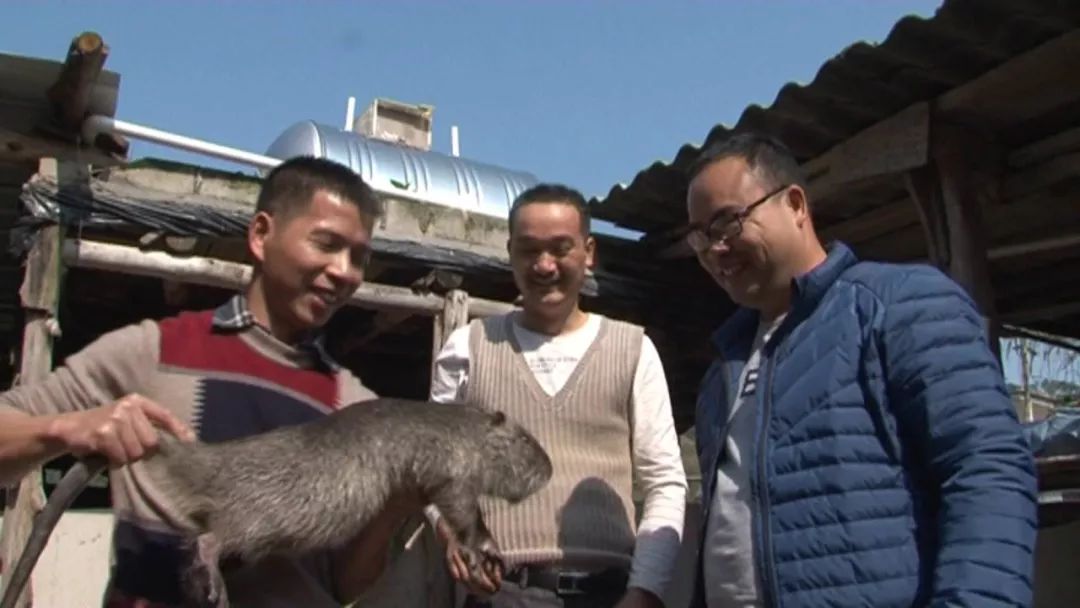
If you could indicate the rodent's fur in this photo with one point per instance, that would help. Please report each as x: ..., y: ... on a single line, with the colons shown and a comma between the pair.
x: 315, y: 485
x: 309, y: 486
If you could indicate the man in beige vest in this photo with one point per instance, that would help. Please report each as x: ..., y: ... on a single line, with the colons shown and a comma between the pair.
x: 593, y: 392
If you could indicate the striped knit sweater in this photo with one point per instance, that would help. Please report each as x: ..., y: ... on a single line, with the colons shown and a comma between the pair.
x: 585, y: 515
x: 226, y: 377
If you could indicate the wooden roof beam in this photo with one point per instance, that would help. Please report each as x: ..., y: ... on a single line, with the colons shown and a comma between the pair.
x: 1039, y: 246
x: 1041, y: 313
x: 1020, y: 89
x: 950, y: 193
x: 1064, y: 142
x: 894, y: 145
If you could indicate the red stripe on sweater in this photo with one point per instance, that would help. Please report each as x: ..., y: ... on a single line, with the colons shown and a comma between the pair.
x: 189, y: 342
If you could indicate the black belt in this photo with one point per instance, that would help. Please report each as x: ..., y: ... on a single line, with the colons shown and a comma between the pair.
x: 569, y: 582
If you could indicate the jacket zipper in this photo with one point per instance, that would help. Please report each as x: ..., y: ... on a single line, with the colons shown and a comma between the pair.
x: 765, y: 557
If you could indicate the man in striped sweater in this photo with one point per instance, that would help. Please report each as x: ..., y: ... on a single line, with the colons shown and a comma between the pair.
x: 593, y: 391
x: 255, y: 363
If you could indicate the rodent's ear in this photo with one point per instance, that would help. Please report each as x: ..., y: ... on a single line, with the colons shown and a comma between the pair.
x: 498, y: 418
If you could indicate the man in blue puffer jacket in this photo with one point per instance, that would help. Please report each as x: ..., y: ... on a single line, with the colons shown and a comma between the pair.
x: 856, y: 441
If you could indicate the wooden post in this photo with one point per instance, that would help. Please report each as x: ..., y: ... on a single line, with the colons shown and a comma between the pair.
x: 962, y: 177
x: 39, y: 294
x: 922, y: 186
x: 455, y: 313
x: 440, y: 586
x: 1025, y: 379
x: 70, y: 94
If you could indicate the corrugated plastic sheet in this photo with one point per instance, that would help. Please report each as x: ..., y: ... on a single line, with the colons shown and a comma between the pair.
x: 920, y: 59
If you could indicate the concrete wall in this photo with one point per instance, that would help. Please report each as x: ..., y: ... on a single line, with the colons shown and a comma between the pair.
x: 74, y: 567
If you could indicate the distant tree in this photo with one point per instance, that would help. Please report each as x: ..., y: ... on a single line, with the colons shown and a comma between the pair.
x: 1049, y: 366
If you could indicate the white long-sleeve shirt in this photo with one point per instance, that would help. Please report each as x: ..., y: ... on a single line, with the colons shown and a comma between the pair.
x: 657, y: 460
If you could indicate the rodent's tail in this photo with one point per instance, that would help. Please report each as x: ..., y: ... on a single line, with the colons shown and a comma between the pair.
x: 71, y: 485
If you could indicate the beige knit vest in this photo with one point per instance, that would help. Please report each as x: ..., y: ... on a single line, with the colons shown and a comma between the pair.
x: 585, y: 514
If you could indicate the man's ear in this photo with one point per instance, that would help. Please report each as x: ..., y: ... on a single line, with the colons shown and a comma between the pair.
x: 796, y: 201
x: 590, y: 252
x: 259, y: 230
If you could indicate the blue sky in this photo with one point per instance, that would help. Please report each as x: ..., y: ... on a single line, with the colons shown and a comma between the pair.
x: 587, y: 93
x: 583, y: 92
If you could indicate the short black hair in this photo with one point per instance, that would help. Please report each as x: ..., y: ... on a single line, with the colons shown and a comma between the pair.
x: 764, y: 154
x: 289, y: 187
x: 551, y: 193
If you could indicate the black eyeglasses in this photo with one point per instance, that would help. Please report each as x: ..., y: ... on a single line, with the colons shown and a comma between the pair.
x: 724, y: 224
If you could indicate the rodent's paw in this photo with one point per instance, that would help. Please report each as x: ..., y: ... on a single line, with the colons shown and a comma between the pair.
x: 491, y: 558
x: 204, y: 583
x: 471, y: 558
x: 206, y: 587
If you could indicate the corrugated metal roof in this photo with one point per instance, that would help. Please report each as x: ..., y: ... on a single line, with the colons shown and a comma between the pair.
x: 919, y: 60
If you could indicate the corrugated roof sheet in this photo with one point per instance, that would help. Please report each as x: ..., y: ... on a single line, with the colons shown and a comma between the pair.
x: 920, y: 59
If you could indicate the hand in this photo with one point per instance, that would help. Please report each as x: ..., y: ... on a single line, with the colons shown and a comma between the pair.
x: 123, y: 432
x: 636, y: 597
x: 484, y: 583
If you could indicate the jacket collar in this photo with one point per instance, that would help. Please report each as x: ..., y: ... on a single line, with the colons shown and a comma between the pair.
x: 807, y: 291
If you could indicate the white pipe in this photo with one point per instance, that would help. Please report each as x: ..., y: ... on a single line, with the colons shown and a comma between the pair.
x: 350, y: 110
x: 95, y: 124
x: 455, y: 148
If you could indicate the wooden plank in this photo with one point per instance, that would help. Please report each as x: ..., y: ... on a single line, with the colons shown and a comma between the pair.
x: 968, y: 178
x: 923, y: 190
x: 898, y: 143
x: 25, y: 80
x: 1020, y: 89
x: 27, y: 127
x: 904, y: 245
x: 39, y: 296
x: 80, y: 253
x: 872, y: 224
x: 1041, y: 313
x: 1038, y: 284
x: 454, y: 314
x: 1044, y: 212
x: 1039, y: 246
x: 1061, y: 143
x: 1040, y: 177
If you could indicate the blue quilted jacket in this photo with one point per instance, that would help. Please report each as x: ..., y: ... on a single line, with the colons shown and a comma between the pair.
x: 889, y: 467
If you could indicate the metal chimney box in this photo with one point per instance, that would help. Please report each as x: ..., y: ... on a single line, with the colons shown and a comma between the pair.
x: 396, y: 122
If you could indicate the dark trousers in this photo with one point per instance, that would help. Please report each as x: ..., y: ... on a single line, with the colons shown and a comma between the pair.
x: 514, y: 595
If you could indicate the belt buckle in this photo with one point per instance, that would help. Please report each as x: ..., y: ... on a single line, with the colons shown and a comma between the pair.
x: 569, y: 584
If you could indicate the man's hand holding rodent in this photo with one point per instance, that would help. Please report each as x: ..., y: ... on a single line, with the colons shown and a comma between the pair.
x: 486, y: 582
x: 122, y: 432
